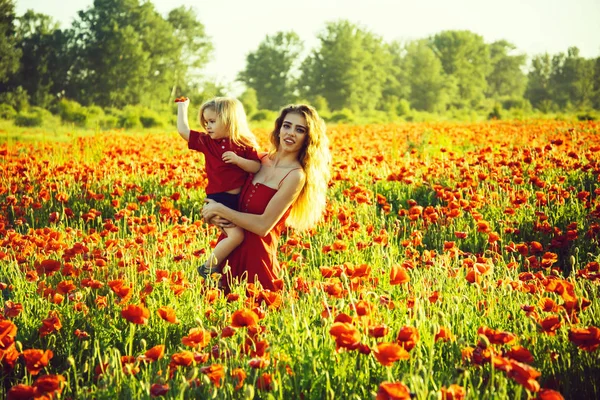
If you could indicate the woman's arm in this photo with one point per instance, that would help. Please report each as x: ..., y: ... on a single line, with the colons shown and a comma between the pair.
x: 183, y: 126
x: 261, y: 224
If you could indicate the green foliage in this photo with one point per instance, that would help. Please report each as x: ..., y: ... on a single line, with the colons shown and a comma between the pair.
x: 269, y: 70
x: 9, y: 52
x: 344, y: 115
x: 466, y: 57
x: 264, y: 115
x: 430, y: 88
x: 72, y: 112
x: 506, y: 78
x: 250, y: 101
x: 7, y: 111
x: 130, y: 118
x: 496, y: 112
x: 348, y: 69
x: 195, y: 45
x: 45, y: 60
x: 151, y: 119
x: 16, y: 98
x: 138, y: 59
x: 33, y: 117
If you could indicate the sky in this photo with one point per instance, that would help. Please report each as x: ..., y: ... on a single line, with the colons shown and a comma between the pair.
x: 236, y: 27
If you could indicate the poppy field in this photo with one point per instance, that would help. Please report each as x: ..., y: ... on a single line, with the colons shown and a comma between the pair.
x: 454, y: 261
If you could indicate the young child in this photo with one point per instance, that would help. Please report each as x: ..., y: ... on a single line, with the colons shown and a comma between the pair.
x: 229, y: 149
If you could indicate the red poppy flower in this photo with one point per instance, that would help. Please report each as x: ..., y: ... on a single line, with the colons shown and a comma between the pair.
x: 168, y: 314
x: 388, y: 353
x: 586, y: 339
x: 184, y: 358
x: 398, y: 275
x: 453, y: 392
x: 239, y: 375
x: 378, y: 331
x: 21, y: 392
x: 12, y: 310
x: 408, y: 337
x: 197, y: 337
x: 49, y: 384
x: 548, y: 394
x: 136, y: 314
x: 393, y: 391
x: 244, y: 318
x: 215, y: 373
x: 154, y: 353
x: 158, y: 389
x: 346, y: 335
x: 36, y: 359
x: 50, y: 324
x: 265, y: 382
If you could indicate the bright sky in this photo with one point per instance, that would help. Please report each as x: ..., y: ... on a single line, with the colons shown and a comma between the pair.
x: 236, y: 27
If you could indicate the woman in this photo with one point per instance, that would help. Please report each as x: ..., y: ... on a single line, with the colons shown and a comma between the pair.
x: 289, y: 189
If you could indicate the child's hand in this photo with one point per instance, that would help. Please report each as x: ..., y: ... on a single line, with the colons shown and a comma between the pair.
x: 230, y: 157
x: 182, y: 101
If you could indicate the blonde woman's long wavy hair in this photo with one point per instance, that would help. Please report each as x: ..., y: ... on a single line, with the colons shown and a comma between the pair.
x: 230, y: 112
x: 315, y: 159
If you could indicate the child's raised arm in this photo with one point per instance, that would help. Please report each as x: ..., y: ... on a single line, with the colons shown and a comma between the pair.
x: 251, y: 166
x: 183, y: 127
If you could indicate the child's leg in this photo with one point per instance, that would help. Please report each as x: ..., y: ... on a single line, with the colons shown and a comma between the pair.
x: 235, y: 237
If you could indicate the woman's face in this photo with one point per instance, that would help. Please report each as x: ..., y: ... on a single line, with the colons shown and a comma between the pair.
x: 293, y: 132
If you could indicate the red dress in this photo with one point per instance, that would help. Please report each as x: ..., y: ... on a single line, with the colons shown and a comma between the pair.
x: 256, y: 257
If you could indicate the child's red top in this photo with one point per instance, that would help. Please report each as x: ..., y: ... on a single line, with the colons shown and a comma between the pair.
x: 222, y: 177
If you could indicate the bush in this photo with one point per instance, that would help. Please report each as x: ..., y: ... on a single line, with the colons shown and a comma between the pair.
x: 72, y: 112
x: 264, y: 115
x: 342, y: 116
x: 402, y: 108
x: 496, y: 112
x: 130, y: 118
x: 108, y: 122
x: 151, y: 119
x: 516, y: 103
x: 29, y: 119
x: 7, y: 111
x: 587, y: 116
x: 17, y: 99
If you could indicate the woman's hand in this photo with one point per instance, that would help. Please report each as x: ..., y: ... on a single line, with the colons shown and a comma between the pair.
x: 210, y: 209
x: 210, y: 213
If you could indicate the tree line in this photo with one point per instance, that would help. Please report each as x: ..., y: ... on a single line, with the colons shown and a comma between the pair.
x: 123, y: 52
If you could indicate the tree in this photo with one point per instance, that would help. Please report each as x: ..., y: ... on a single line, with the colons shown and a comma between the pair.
x: 250, y: 101
x: 397, y: 80
x: 506, y: 79
x: 196, y: 48
x: 45, y: 61
x: 571, y: 79
x: 538, y: 82
x: 349, y: 68
x: 430, y: 88
x: 269, y: 70
x: 465, y: 56
x: 596, y: 86
x: 126, y: 54
x: 9, y: 53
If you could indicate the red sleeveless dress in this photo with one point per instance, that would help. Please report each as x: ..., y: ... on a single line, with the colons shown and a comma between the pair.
x: 256, y: 257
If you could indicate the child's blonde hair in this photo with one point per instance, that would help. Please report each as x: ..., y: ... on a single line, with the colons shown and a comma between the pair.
x: 230, y: 112
x: 315, y: 159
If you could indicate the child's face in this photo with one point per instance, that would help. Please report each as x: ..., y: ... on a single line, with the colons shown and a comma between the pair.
x: 214, y: 127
